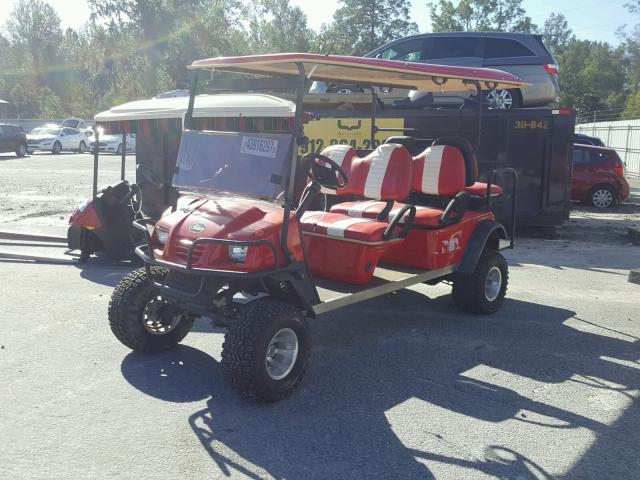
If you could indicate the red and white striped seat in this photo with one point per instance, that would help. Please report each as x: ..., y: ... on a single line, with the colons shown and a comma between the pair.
x: 338, y: 226
x: 384, y: 174
x: 425, y: 216
x: 439, y: 170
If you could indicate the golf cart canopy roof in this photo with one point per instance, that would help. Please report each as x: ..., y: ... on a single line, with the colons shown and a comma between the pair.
x: 209, y: 106
x: 366, y: 71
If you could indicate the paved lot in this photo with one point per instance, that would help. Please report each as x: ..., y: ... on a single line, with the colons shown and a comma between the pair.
x: 399, y: 387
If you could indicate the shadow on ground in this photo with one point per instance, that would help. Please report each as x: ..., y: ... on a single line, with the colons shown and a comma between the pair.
x: 376, y: 356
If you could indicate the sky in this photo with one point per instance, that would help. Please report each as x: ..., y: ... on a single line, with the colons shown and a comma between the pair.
x: 590, y: 19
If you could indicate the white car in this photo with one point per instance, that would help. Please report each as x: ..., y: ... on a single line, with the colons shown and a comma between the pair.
x: 113, y: 143
x: 55, y: 139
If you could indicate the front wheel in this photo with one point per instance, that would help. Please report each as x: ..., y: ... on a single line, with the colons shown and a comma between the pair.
x: 141, y: 319
x: 265, y: 353
x: 483, y: 291
x: 82, y: 147
x: 57, y: 148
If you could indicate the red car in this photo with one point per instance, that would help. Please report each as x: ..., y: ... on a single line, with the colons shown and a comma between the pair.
x: 598, y: 176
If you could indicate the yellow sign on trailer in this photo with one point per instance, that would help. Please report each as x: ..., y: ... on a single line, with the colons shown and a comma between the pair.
x: 348, y: 131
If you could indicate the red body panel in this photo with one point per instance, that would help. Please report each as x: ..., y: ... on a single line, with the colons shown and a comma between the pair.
x: 85, y: 217
x: 607, y: 172
x: 348, y: 262
x: 430, y: 249
x: 227, y: 218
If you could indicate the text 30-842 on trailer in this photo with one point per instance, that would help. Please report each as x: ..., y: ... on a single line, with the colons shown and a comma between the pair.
x: 262, y: 238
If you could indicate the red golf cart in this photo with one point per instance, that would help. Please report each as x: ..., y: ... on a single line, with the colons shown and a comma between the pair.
x: 262, y: 238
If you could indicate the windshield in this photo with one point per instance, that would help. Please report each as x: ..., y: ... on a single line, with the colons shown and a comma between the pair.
x: 45, y: 131
x: 249, y: 164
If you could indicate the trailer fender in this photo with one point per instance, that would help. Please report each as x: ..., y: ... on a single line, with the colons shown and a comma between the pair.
x: 487, y: 234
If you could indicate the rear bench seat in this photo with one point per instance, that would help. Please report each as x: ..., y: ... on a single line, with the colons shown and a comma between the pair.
x: 348, y: 248
x: 439, y: 170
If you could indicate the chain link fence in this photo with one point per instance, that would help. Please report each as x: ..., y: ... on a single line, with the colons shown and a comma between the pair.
x: 623, y: 135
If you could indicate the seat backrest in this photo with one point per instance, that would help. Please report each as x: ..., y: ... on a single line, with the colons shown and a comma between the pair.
x: 470, y: 159
x: 414, y: 145
x: 439, y: 170
x: 384, y: 174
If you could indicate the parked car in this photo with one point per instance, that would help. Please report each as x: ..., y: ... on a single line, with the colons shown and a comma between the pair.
x: 13, y: 139
x: 588, y: 140
x: 598, y: 176
x: 55, y: 139
x: 113, y: 143
x: 523, y: 55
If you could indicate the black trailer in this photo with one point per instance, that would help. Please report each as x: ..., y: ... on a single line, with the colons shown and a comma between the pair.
x: 536, y: 142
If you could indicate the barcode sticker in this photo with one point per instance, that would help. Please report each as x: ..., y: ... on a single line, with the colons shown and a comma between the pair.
x: 263, y: 147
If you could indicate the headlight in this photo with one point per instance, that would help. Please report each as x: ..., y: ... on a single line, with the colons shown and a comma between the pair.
x: 162, y: 235
x: 237, y: 253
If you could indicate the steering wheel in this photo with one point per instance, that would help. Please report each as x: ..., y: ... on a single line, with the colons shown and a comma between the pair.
x: 133, y: 198
x: 332, y: 177
x: 149, y: 175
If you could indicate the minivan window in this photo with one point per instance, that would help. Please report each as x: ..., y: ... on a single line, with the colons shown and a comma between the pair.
x: 410, y: 51
x: 503, y: 47
x: 454, y: 47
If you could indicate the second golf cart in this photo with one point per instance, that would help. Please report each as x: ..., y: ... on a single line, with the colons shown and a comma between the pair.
x: 262, y: 238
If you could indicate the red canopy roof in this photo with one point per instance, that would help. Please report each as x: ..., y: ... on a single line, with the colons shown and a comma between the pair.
x: 365, y: 71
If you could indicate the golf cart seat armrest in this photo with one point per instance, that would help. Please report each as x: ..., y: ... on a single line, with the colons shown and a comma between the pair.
x: 407, y: 224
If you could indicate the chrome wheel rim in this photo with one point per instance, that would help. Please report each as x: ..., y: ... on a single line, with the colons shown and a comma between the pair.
x: 500, y: 99
x: 602, y: 198
x: 282, y: 354
x: 157, y: 318
x: 493, y: 284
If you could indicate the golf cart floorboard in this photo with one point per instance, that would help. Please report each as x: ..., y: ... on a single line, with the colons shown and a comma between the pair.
x: 386, y: 279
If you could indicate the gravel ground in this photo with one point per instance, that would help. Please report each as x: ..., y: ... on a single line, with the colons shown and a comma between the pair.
x: 402, y: 386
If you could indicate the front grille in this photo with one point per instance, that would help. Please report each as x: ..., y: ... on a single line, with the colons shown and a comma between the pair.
x: 180, y: 252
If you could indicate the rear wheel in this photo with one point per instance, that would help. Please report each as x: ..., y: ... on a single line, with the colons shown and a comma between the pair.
x: 57, y: 148
x: 141, y: 319
x: 82, y: 147
x: 265, y: 353
x: 503, y: 99
x: 483, y: 291
x: 21, y: 150
x: 602, y: 196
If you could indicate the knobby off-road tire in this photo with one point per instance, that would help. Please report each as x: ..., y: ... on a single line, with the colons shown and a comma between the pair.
x: 478, y: 292
x: 129, y: 311
x: 247, y: 344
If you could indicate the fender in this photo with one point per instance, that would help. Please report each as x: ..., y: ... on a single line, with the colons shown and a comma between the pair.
x: 486, y: 232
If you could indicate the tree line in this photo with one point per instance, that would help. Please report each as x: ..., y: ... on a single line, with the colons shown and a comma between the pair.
x: 131, y: 49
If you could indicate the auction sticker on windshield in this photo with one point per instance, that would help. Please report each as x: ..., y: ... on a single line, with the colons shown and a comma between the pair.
x: 263, y: 147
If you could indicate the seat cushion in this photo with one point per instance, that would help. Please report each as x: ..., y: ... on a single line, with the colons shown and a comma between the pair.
x: 339, y: 225
x: 425, y: 216
x: 479, y: 189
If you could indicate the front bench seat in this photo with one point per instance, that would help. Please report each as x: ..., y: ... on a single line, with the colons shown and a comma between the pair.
x: 384, y: 174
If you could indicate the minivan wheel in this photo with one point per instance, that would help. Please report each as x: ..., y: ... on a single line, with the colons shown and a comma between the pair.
x: 22, y: 150
x: 503, y: 99
x: 602, y: 197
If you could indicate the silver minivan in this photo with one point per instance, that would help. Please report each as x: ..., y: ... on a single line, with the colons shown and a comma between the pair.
x: 523, y: 55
